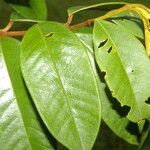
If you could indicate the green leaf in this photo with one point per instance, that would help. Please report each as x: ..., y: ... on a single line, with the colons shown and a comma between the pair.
x: 76, y: 9
x: 85, y: 35
x: 130, y: 22
x: 59, y: 74
x: 131, y: 27
x: 18, y: 18
x: 36, y: 11
x: 20, y: 127
x: 122, y: 56
x: 117, y: 123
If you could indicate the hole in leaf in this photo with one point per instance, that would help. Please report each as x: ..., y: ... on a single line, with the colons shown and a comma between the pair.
x: 148, y: 101
x: 130, y: 69
x: 133, y: 128
x: 100, y: 73
x: 49, y: 34
x: 122, y: 111
x: 102, y: 43
x: 109, y: 50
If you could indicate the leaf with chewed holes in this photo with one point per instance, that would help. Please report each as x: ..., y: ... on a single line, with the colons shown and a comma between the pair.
x: 110, y: 109
x: 124, y: 59
x: 60, y: 77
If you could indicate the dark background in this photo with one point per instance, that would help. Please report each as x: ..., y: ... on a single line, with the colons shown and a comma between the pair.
x: 107, y: 140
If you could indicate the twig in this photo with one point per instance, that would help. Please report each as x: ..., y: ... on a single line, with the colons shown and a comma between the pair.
x: 82, y: 24
x: 69, y: 21
x: 4, y: 31
x: 12, y: 33
x: 8, y: 27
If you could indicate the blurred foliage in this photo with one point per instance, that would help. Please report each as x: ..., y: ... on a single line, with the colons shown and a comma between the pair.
x: 57, y: 11
x: 57, y: 8
x: 5, y: 11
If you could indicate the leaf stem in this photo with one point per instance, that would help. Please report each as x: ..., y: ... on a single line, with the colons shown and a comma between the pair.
x: 4, y: 31
x: 69, y: 20
x: 12, y: 33
x: 8, y: 27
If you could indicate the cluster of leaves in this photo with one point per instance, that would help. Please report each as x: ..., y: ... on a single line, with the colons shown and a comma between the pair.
x: 62, y: 82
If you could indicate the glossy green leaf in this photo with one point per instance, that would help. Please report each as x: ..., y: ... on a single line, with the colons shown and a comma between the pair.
x: 20, y: 127
x: 76, y: 9
x: 85, y: 35
x: 58, y: 72
x: 124, y: 60
x: 117, y: 123
x: 109, y: 112
x: 36, y: 10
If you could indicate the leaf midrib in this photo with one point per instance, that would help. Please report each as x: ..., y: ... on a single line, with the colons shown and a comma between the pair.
x: 93, y: 71
x: 61, y: 83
